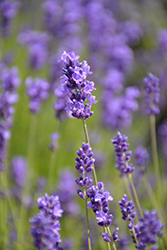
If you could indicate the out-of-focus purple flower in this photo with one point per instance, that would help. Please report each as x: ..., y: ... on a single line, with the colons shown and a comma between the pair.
x: 163, y: 132
x: 149, y: 229
x: 45, y: 232
x: 19, y: 170
x: 38, y: 91
x: 141, y: 156
x: 117, y: 111
x: 7, y: 100
x: 152, y: 93
x: 54, y: 141
x: 45, y: 226
x: 37, y: 43
x: 66, y: 192
x: 132, y: 32
x: 123, y: 155
x: 10, y: 79
x: 8, y: 10
x: 76, y: 86
x: 162, y: 40
x: 123, y: 242
x: 114, y: 80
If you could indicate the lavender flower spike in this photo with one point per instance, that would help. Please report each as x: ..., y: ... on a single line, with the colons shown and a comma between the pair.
x: 76, y: 86
x: 151, y: 85
x: 45, y: 226
x: 123, y: 155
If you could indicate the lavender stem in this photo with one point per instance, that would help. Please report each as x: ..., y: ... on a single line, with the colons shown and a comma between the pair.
x: 87, y: 222
x: 88, y: 141
x: 135, y: 195
x: 155, y: 157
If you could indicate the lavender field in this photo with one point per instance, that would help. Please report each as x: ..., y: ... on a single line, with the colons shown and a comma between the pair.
x: 83, y: 124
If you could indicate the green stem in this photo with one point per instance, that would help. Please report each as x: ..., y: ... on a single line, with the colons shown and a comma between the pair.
x: 87, y: 222
x: 155, y: 157
x: 88, y: 141
x: 133, y: 232
x: 135, y: 195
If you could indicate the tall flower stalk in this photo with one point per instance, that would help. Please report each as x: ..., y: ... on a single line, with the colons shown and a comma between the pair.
x: 79, y: 89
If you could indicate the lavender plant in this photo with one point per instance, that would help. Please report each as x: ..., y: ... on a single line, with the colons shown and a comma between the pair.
x: 120, y: 44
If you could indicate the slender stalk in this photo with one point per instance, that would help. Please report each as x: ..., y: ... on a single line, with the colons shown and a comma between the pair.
x: 155, y: 158
x: 153, y: 198
x: 130, y: 194
x: 134, y: 235
x: 87, y: 222
x: 95, y: 177
x: 135, y: 195
x: 113, y: 244
x: 88, y: 141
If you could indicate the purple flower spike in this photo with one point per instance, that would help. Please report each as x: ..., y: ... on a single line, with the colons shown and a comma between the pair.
x: 103, y: 219
x: 152, y: 92
x: 127, y: 208
x: 123, y: 156
x: 50, y: 206
x: 85, y: 160
x: 76, y: 86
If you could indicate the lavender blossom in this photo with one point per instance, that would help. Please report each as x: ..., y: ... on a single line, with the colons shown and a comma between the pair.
x: 66, y: 192
x: 149, y: 229
x: 45, y: 232
x: 123, y: 155
x: 50, y: 206
x: 76, y: 86
x: 4, y: 137
x: 163, y: 133
x: 38, y: 91
x: 127, y: 208
x: 115, y: 234
x: 45, y: 226
x: 141, y: 156
x: 19, y: 170
x: 10, y: 79
x: 151, y: 86
x: 85, y: 160
x: 117, y: 111
x: 37, y: 43
x: 162, y: 40
x: 8, y: 10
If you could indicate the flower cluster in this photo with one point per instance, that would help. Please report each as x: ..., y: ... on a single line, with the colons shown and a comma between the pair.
x: 19, y: 170
x: 127, y: 208
x: 84, y: 165
x: 99, y: 200
x: 151, y: 86
x: 45, y: 225
x: 148, y: 230
x: 37, y: 43
x: 38, y: 91
x: 54, y: 145
x: 76, y: 86
x: 8, y: 10
x: 123, y: 155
